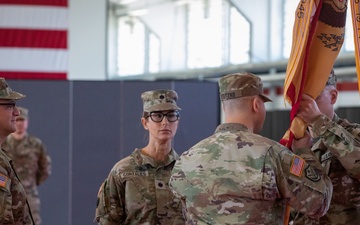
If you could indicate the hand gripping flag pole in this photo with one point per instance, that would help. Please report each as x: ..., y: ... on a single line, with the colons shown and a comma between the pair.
x: 318, y: 35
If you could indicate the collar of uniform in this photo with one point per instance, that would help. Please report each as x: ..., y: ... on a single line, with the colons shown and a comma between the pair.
x: 4, y: 153
x: 232, y: 127
x: 141, y: 159
x: 336, y: 118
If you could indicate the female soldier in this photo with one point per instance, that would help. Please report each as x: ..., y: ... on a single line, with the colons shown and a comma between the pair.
x: 136, y: 190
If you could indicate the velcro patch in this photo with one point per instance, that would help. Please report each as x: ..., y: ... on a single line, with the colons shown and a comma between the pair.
x: 312, y: 174
x: 134, y: 174
x: 3, y: 180
x: 297, y: 166
x: 326, y: 156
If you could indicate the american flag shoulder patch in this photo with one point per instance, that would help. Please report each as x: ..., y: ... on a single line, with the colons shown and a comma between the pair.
x: 297, y: 166
x: 3, y: 180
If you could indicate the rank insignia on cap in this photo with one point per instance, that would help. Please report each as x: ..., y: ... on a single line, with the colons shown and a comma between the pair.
x: 297, y: 166
x: 3, y: 180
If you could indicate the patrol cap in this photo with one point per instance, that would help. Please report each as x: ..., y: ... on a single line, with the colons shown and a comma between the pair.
x: 159, y: 100
x: 332, y: 79
x: 24, y: 113
x: 7, y: 93
x: 239, y: 85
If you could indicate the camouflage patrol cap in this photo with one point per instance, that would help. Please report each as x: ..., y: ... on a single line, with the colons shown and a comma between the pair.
x: 24, y: 113
x: 7, y: 93
x: 239, y: 85
x: 159, y: 100
x: 332, y: 79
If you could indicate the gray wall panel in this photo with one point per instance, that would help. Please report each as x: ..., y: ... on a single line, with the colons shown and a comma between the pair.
x: 276, y: 124
x: 351, y: 113
x: 200, y: 114
x: 96, y: 116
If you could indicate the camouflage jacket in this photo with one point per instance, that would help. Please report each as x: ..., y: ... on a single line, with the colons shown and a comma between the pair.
x: 13, y: 205
x: 338, y: 150
x: 136, y: 192
x: 32, y: 165
x: 30, y: 160
x: 238, y: 177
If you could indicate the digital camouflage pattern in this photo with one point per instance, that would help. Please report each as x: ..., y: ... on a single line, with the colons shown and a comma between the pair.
x: 7, y: 93
x: 238, y: 177
x: 136, y: 192
x: 239, y: 85
x: 159, y: 100
x: 32, y: 165
x: 338, y: 150
x: 13, y: 207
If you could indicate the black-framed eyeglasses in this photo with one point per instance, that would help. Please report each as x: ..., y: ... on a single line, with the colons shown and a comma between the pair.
x: 9, y: 104
x: 157, y: 117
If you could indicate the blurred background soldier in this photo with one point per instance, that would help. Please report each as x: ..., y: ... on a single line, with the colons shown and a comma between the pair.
x: 30, y: 160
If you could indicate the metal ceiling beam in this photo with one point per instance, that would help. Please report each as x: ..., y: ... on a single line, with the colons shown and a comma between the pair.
x: 270, y: 72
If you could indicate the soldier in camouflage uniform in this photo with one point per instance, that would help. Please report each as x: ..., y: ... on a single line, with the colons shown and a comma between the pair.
x: 14, y: 208
x: 30, y: 160
x: 136, y: 191
x: 237, y: 177
x: 337, y: 147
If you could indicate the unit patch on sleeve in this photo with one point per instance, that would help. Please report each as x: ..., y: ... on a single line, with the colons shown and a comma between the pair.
x: 297, y: 166
x: 312, y: 174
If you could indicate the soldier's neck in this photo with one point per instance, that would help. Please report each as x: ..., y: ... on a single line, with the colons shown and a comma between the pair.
x: 18, y: 136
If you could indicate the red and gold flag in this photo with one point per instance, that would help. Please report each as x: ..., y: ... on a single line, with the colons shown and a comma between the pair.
x: 318, y: 35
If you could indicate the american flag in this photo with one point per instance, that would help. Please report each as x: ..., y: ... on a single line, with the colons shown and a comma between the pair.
x: 297, y: 166
x: 33, y: 39
x: 3, y: 179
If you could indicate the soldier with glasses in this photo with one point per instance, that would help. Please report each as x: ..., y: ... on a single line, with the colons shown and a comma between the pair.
x: 136, y: 190
x: 14, y: 207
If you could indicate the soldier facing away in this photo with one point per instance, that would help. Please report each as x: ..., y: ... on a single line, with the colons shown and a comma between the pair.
x: 237, y: 177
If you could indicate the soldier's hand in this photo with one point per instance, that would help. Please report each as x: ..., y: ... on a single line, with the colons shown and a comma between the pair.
x: 308, y: 109
x: 304, y: 142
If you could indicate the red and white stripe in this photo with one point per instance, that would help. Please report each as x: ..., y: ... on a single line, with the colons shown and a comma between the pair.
x: 33, y: 39
x: 348, y: 96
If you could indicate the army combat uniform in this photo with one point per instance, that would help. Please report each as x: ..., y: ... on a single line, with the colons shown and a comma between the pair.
x: 14, y: 209
x: 338, y: 150
x: 136, y: 192
x: 238, y: 177
x: 32, y: 165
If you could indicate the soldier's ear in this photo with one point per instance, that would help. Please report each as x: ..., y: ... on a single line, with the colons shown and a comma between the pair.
x: 334, y: 95
x: 144, y: 122
x: 256, y: 104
